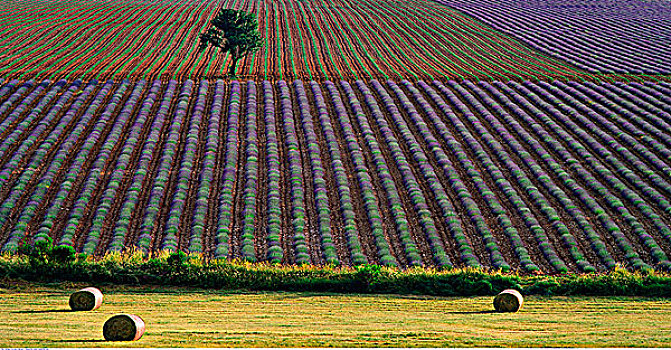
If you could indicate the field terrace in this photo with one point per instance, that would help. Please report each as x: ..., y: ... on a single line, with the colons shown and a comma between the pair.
x: 313, y: 40
x: 599, y: 36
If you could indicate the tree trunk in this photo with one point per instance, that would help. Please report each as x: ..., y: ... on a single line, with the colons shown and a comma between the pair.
x: 234, y: 64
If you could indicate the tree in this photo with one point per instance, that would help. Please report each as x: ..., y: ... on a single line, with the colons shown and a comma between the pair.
x: 235, y: 32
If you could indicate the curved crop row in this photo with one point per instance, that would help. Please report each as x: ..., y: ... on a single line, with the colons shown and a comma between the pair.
x: 207, y: 177
x: 519, y: 176
x: 449, y: 213
x: 634, y: 179
x: 599, y: 36
x: 483, y: 189
x: 542, y: 177
x: 396, y: 206
x: 223, y: 233
x: 147, y: 232
x: 318, y: 173
x: 94, y: 132
x: 316, y: 40
x: 81, y: 211
x: 364, y: 180
x: 100, y: 221
x: 251, y: 172
x: 614, y: 202
x: 170, y: 239
x: 417, y: 197
x: 274, y: 214
x: 122, y: 226
x: 296, y: 181
x: 566, y: 235
x: 21, y: 185
x: 341, y: 179
x: 576, y: 189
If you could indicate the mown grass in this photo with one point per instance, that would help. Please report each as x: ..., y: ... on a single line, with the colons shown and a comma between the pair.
x: 179, y: 317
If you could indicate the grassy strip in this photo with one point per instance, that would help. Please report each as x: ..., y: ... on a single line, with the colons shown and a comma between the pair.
x: 182, y: 270
x: 37, y: 316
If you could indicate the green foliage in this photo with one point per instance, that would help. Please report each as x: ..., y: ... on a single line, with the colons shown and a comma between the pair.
x: 179, y: 269
x: 368, y: 276
x: 235, y: 32
x: 177, y: 259
x: 43, y: 252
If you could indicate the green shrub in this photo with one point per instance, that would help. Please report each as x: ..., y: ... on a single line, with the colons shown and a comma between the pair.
x: 46, y: 263
x: 43, y: 252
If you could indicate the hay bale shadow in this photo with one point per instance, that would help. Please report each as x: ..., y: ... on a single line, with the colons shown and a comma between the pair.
x: 41, y: 311
x: 471, y: 312
x: 80, y: 341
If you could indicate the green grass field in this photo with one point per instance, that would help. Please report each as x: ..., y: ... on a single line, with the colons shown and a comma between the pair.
x: 33, y: 316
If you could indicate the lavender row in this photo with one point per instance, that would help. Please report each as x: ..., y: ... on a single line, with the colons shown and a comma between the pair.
x: 652, y: 110
x: 395, y: 204
x: 510, y: 193
x: 553, y: 189
x: 573, y: 164
x: 36, y: 112
x: 274, y: 211
x: 520, y: 176
x: 577, y: 215
x: 170, y: 240
x: 21, y: 152
x: 94, y: 133
x: 249, y: 194
x: 603, y: 36
x: 296, y: 181
x: 223, y: 233
x: 449, y: 212
x: 346, y: 206
x: 607, y: 139
x: 634, y: 179
x: 82, y: 207
x: 474, y: 175
x: 614, y: 202
x: 459, y: 187
x: 625, y: 119
x: 650, y: 94
x: 147, y: 229
x: 412, y: 187
x: 566, y: 203
x: 206, y: 178
x: 318, y: 176
x: 16, y: 96
x: 24, y: 149
x: 81, y: 198
x: 100, y: 220
x: 121, y: 229
x: 21, y: 186
x: 364, y: 180
x: 39, y: 192
x: 10, y: 115
x: 503, y: 185
x: 8, y: 87
x: 102, y: 170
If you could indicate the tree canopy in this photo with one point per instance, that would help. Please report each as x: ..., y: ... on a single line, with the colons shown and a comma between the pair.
x: 235, y: 32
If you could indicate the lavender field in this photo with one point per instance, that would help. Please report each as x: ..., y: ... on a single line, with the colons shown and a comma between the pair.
x: 526, y: 136
x: 599, y: 36
x: 531, y: 176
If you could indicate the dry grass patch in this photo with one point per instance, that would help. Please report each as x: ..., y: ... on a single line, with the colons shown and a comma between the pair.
x: 195, y: 318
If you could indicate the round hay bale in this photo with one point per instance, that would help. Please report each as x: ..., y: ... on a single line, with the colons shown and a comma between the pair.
x: 509, y: 300
x: 87, y: 299
x: 124, y: 327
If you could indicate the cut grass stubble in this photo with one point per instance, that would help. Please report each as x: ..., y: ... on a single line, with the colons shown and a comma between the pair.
x: 178, y: 317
